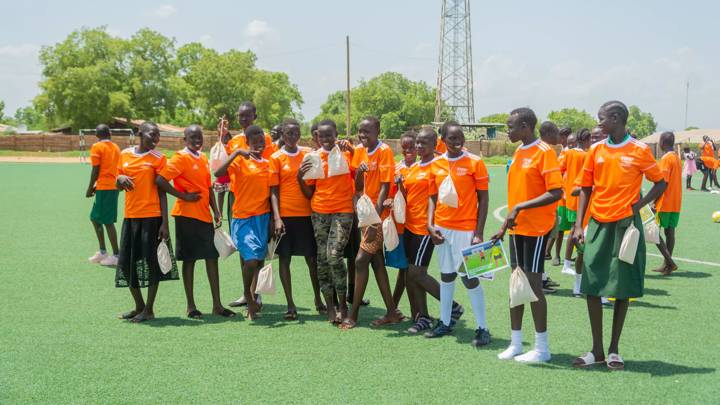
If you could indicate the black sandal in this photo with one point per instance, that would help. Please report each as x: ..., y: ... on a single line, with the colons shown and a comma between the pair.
x: 194, y: 314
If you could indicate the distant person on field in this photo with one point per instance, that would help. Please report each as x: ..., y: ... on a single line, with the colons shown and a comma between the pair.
x: 689, y: 167
x: 104, y: 157
x: 710, y: 162
x: 669, y: 203
x: 550, y: 134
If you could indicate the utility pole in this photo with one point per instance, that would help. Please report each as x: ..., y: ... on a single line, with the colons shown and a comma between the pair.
x: 455, y: 72
x: 347, y: 91
x: 687, y: 98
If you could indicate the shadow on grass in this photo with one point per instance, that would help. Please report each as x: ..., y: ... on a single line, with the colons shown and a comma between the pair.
x: 655, y: 368
x: 645, y: 304
x: 686, y: 274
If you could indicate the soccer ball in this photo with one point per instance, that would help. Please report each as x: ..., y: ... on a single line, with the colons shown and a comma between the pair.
x: 716, y: 216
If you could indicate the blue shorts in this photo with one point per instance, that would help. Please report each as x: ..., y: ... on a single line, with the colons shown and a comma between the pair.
x: 250, y: 235
x: 397, y: 258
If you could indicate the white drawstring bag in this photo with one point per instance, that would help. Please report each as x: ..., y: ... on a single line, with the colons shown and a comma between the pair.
x: 218, y: 156
x: 272, y: 246
x: 337, y: 164
x: 399, y: 207
x: 316, y: 172
x: 629, y: 244
x: 223, y: 243
x: 366, y: 212
x: 520, y: 291
x: 390, y: 235
x: 165, y: 259
x: 447, y: 193
x: 652, y: 233
x: 266, y: 280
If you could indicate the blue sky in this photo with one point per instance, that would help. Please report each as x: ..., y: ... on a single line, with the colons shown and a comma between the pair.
x: 546, y: 55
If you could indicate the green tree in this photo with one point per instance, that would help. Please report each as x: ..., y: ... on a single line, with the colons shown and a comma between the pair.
x: 572, y: 118
x: 31, y: 118
x: 640, y: 123
x: 2, y: 110
x: 398, y: 102
x: 691, y: 128
x: 498, y: 118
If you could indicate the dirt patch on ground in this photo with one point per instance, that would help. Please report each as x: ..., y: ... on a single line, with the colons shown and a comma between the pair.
x: 38, y: 159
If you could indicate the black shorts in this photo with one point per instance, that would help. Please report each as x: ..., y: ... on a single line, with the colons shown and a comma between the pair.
x: 137, y: 262
x: 530, y: 252
x: 418, y: 248
x: 194, y: 239
x: 299, y: 239
x: 353, y: 245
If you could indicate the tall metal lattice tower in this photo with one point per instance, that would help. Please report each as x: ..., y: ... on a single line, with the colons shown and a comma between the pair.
x: 455, y: 73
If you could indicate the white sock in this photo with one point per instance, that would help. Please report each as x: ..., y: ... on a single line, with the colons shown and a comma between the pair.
x: 477, y: 299
x: 447, y: 291
x: 541, y: 342
x: 544, y: 276
x: 515, y: 347
x: 604, y: 300
x: 576, y: 287
x: 516, y: 338
x: 568, y: 263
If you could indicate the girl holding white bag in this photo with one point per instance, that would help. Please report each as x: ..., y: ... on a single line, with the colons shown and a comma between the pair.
x: 457, y: 210
x: 534, y: 185
x: 612, y: 175
x: 331, y: 201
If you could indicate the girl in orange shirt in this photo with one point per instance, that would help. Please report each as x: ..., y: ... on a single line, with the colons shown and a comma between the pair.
x: 250, y: 224
x: 708, y: 158
x: 331, y: 201
x: 189, y: 171
x: 145, y: 223
x: 455, y: 228
x: 291, y: 211
x: 612, y: 175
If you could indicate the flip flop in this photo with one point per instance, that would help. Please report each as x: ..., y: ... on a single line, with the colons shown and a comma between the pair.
x: 128, y: 315
x: 347, y: 324
x: 385, y: 320
x: 226, y: 313
x: 140, y: 320
x: 615, y: 362
x: 587, y: 360
x: 194, y: 314
x: 290, y: 315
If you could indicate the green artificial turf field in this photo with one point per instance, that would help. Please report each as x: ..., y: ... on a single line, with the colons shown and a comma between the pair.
x: 61, y: 341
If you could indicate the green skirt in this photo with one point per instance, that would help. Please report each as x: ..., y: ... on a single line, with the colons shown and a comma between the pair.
x: 104, y: 209
x: 605, y: 275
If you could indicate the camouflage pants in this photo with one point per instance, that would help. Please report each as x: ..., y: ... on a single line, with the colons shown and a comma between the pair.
x: 332, y: 232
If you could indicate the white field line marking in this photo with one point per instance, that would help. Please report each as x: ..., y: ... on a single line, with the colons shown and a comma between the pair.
x: 500, y: 218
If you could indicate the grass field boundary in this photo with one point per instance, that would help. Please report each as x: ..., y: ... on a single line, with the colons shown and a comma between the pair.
x: 498, y: 216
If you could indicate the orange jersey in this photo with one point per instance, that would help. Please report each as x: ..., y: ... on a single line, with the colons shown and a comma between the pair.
x: 333, y: 195
x: 571, y: 166
x: 284, y: 167
x: 469, y: 175
x: 615, y: 173
x: 441, y: 147
x: 671, y: 199
x: 250, y: 182
x: 143, y: 201
x: 708, y: 156
x: 417, y: 183
x: 400, y: 170
x: 190, y: 173
x: 105, y: 154
x: 381, y: 167
x: 240, y: 142
x: 533, y: 172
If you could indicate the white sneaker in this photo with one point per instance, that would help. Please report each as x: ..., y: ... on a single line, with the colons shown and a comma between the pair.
x: 533, y: 356
x: 510, y: 352
x: 110, y: 260
x: 97, y: 257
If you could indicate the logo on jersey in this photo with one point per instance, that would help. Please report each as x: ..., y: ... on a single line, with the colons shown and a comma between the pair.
x: 526, y: 163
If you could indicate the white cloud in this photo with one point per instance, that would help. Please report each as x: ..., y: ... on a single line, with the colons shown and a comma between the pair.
x: 164, y: 11
x: 206, y: 39
x: 257, y: 34
x: 15, y: 51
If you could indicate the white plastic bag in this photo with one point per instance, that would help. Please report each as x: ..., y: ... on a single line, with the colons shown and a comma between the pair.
x: 223, y: 243
x: 266, y: 281
x: 164, y: 258
x: 399, y: 207
x: 629, y: 244
x: 447, y: 193
x: 520, y: 291
x: 316, y: 172
x: 218, y: 156
x: 337, y: 164
x: 652, y: 233
x: 390, y: 235
x: 366, y: 212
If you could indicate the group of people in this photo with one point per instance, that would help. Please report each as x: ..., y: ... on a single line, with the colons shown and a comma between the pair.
x: 592, y: 189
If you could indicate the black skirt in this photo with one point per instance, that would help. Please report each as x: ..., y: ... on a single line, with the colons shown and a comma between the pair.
x: 353, y: 245
x: 299, y: 239
x: 138, y: 263
x: 194, y: 239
